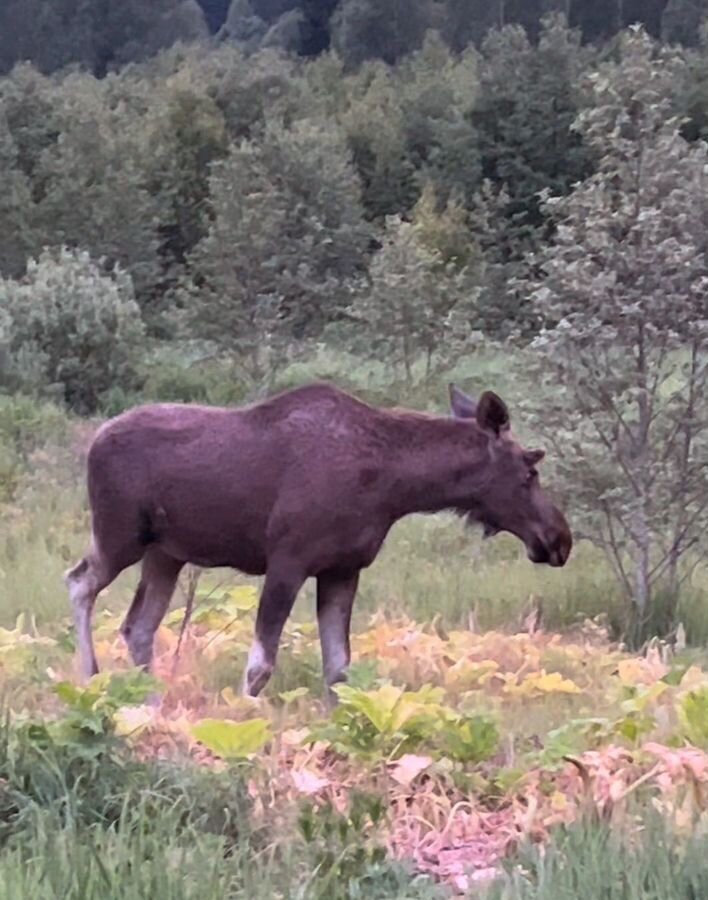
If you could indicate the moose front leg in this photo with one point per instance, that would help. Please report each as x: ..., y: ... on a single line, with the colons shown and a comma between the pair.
x: 282, y: 583
x: 335, y: 598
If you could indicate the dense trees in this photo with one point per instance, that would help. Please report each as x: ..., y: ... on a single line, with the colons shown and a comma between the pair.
x: 254, y: 188
x: 286, y: 237
x: 97, y: 34
x: 102, y: 35
x: 529, y: 99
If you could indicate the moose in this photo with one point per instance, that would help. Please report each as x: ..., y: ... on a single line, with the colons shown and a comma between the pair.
x: 305, y: 484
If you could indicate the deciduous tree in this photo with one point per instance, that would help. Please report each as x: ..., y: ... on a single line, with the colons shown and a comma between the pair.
x: 402, y: 314
x: 622, y: 294
x: 287, y: 236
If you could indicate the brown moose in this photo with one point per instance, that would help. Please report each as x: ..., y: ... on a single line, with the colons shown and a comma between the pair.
x: 305, y: 484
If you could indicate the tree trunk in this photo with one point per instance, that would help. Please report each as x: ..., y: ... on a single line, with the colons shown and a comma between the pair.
x: 642, y: 578
x: 642, y: 461
x: 407, y: 360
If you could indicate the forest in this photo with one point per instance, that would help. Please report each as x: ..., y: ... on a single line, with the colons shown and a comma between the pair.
x: 102, y: 36
x: 208, y: 202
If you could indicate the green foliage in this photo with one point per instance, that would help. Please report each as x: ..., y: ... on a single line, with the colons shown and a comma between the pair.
x: 243, y: 25
x: 410, y: 125
x: 172, y: 380
x: 630, y: 725
x: 402, y: 314
x: 624, y: 351
x: 91, y: 709
x: 681, y: 21
x: 233, y: 740
x: 693, y: 714
x: 98, y: 36
x: 25, y: 427
x: 444, y: 230
x: 29, y: 110
x: 381, y: 29
x: 96, y: 821
x: 116, y: 864
x: 73, y: 331
x: 15, y: 206
x: 529, y: 98
x: 349, y: 861
x: 286, y: 237
x: 390, y: 722
x: 89, y: 187
x: 187, y: 133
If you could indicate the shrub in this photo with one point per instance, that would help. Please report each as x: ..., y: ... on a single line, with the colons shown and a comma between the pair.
x: 72, y: 331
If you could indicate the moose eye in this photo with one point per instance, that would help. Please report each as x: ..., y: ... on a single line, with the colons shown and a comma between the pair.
x: 531, y: 477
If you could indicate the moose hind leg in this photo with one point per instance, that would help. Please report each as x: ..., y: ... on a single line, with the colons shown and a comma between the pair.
x: 152, y: 598
x: 84, y: 581
x: 282, y: 583
x: 335, y: 598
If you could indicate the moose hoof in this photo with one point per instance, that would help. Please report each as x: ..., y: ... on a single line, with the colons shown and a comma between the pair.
x: 256, y: 679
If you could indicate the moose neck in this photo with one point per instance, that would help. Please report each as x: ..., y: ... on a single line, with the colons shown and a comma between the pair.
x: 438, y: 463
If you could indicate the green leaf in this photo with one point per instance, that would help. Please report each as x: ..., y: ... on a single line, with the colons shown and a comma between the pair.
x: 76, y: 697
x: 296, y: 694
x: 693, y: 713
x: 232, y: 740
x: 472, y: 739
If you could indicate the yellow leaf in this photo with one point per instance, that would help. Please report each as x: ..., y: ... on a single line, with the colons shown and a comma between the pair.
x: 544, y: 683
x: 238, y: 701
x: 294, y: 737
x: 559, y: 801
x: 466, y: 673
x: 645, y: 697
x: 640, y: 671
x: 243, y: 597
x: 295, y: 694
x: 693, y: 678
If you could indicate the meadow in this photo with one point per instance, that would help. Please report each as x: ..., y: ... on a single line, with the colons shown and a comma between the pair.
x: 495, y: 740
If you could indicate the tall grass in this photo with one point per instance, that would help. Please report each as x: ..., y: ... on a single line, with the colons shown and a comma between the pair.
x: 591, y: 861
x: 433, y: 567
x: 86, y: 821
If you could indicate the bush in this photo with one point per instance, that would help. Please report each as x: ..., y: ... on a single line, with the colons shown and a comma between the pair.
x: 72, y: 331
x: 213, y: 382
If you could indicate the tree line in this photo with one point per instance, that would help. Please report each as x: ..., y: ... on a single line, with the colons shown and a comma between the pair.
x: 103, y: 35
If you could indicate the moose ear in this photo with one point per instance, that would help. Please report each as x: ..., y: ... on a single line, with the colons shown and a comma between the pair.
x: 492, y: 413
x: 463, y: 407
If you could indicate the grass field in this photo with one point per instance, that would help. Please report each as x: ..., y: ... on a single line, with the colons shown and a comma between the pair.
x: 471, y: 755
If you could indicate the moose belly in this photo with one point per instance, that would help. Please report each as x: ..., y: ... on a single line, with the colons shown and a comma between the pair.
x: 341, y: 552
x: 215, y: 534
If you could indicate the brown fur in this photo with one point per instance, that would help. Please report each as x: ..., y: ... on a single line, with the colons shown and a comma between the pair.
x: 305, y: 484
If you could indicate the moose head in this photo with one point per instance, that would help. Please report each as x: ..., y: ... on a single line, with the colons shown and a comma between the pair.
x: 512, y: 498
